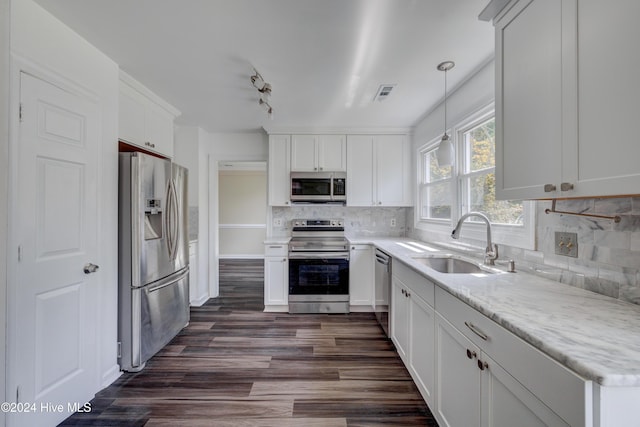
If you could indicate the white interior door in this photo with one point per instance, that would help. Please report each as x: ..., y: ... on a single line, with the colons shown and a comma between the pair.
x: 54, y: 323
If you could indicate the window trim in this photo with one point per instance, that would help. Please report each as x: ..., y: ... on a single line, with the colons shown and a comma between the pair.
x: 521, y: 237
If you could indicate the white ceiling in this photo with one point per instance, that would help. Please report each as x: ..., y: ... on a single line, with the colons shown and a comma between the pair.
x: 325, y: 59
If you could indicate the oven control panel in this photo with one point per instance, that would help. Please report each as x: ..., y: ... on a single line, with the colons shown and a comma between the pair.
x: 317, y: 223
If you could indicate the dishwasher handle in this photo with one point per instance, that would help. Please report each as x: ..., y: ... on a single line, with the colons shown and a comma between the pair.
x: 382, y: 258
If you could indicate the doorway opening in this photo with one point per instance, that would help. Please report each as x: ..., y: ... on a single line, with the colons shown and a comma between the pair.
x: 242, y: 221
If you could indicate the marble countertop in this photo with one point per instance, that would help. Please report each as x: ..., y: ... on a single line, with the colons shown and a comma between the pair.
x: 596, y: 336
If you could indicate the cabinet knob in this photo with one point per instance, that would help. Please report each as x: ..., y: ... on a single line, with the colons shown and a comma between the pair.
x: 482, y: 365
x: 471, y: 354
x: 566, y: 186
x: 321, y: 168
x: 548, y: 188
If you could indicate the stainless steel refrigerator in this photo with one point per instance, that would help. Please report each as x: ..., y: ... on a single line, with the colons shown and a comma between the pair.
x: 153, y: 294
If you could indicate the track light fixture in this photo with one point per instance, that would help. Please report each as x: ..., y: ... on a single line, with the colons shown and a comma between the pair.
x: 264, y: 89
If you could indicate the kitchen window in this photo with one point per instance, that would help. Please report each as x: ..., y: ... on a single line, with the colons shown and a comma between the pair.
x: 447, y: 192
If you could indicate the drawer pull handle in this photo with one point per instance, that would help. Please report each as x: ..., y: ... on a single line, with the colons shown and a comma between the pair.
x: 482, y: 365
x: 275, y: 247
x: 471, y: 354
x: 476, y: 331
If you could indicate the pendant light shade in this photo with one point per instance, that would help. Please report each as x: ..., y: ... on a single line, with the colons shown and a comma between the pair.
x: 445, y: 153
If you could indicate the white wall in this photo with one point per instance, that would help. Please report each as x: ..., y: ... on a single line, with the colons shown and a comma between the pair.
x: 186, y: 154
x: 47, y: 48
x: 473, y: 93
x: 242, y: 212
x: 4, y: 176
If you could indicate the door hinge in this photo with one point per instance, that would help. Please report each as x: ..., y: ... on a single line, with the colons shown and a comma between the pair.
x: 18, y: 394
x: 20, y: 112
x: 19, y: 253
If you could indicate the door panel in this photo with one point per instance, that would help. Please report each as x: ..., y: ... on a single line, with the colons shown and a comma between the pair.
x: 53, y: 326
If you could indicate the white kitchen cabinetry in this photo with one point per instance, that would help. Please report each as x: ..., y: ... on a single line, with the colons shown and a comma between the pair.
x: 145, y: 120
x: 499, y: 377
x: 458, y: 378
x: 562, y: 111
x: 378, y: 170
x: 276, y: 277
x: 279, y: 168
x: 318, y: 153
x: 361, y: 282
x: 413, y: 326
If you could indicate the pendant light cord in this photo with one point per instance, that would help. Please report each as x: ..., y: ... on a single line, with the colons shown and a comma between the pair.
x: 445, y: 102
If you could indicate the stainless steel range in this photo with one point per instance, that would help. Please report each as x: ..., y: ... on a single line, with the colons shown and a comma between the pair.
x: 318, y: 267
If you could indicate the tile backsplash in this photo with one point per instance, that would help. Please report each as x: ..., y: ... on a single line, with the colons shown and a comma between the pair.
x: 608, y: 259
x: 363, y: 221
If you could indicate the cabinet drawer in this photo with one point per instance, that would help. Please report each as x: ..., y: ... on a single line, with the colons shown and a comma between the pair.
x: 276, y: 250
x: 560, y: 389
x: 419, y: 284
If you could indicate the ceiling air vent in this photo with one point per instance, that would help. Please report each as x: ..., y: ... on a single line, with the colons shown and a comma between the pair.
x: 383, y: 92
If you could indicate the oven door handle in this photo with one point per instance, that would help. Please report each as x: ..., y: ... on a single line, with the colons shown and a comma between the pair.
x: 319, y: 255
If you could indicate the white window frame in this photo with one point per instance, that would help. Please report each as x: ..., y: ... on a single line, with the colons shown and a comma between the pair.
x: 517, y: 236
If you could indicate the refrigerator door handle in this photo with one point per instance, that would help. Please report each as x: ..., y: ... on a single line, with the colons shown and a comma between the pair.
x: 173, y: 220
x: 176, y: 277
x: 169, y: 220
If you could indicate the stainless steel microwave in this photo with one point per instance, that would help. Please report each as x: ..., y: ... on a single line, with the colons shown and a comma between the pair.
x: 318, y: 187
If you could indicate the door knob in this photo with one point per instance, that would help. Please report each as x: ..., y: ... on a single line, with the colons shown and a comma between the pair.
x: 91, y: 268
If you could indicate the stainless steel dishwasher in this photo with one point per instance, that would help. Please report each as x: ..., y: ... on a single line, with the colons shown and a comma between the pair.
x: 383, y: 289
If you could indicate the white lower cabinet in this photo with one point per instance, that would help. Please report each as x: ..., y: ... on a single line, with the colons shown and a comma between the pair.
x: 413, y: 327
x: 474, y: 390
x: 276, y: 277
x: 473, y: 372
x: 361, y: 282
x: 458, y: 378
x: 488, y: 377
x: 400, y: 318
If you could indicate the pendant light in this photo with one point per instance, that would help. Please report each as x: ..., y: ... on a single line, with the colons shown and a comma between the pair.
x: 444, y: 154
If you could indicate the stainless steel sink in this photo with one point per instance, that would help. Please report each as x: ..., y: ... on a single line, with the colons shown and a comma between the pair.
x: 449, y: 264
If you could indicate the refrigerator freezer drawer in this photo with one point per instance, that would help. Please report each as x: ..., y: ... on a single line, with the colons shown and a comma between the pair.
x: 158, y: 312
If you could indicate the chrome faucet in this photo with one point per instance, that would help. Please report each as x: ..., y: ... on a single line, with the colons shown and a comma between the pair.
x: 491, y: 251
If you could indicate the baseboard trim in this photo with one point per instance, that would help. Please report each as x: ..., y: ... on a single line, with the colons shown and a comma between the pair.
x: 276, y: 308
x: 111, y: 375
x: 200, y: 301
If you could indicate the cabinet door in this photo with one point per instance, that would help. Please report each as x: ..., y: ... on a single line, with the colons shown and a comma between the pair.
x: 304, y: 153
x: 361, y: 284
x: 400, y: 319
x: 458, y: 379
x: 276, y: 281
x: 279, y: 165
x: 529, y: 100
x: 609, y: 94
x: 159, y: 130
x: 504, y: 400
x: 392, y: 169
x: 422, y: 356
x: 131, y: 116
x: 360, y: 179
x: 332, y: 153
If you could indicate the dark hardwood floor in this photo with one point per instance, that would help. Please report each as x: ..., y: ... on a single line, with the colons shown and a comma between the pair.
x: 235, y: 366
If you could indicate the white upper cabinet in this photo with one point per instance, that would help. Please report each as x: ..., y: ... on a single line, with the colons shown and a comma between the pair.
x: 278, y: 170
x: 608, y: 97
x: 318, y: 153
x: 144, y: 119
x: 378, y: 170
x: 566, y: 93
